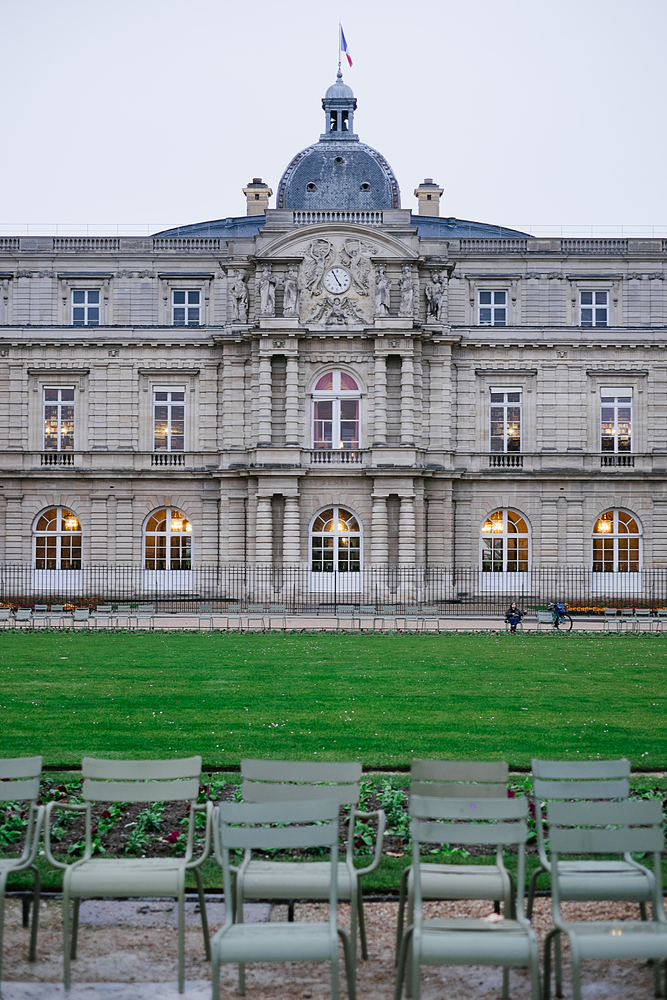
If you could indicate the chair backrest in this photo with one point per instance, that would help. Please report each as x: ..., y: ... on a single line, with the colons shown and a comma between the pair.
x: 411, y: 609
x: 345, y: 609
x: 277, y: 609
x: 205, y: 609
x: 367, y: 609
x: 23, y: 614
x: 81, y: 614
x: 19, y: 779
x: 642, y: 612
x: 389, y: 609
x: 5, y: 614
x: 453, y: 779
x: 57, y: 608
x: 41, y: 608
x: 103, y: 609
x: 544, y: 617
x: 581, y: 779
x: 147, y: 608
x: 293, y: 780
x: 124, y: 609
x: 607, y: 828
x: 233, y: 607
x: 611, y: 612
x: 140, y: 780
x: 627, y: 612
x: 430, y: 609
x: 255, y: 607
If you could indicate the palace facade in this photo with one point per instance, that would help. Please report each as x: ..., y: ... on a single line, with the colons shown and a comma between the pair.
x: 335, y: 383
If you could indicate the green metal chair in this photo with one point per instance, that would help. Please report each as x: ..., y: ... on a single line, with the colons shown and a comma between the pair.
x: 132, y: 781
x: 282, y: 780
x: 507, y: 942
x: 660, y: 618
x: 145, y: 613
x: 19, y: 782
x: 23, y: 617
x: 243, y: 826
x: 6, y: 617
x: 81, y: 617
x: 611, y: 618
x: 205, y: 614
x: 544, y: 618
x: 277, y: 617
x: 103, y: 616
x: 453, y: 780
x: 603, y: 828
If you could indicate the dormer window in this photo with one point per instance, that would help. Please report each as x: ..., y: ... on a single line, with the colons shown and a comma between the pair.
x: 365, y: 186
x: 311, y: 187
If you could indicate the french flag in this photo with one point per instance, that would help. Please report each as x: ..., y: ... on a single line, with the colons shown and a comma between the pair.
x: 343, y: 45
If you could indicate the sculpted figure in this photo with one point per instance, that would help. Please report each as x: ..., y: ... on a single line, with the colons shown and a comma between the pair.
x: 407, y: 287
x: 357, y: 256
x: 239, y: 295
x: 314, y: 264
x: 382, y: 287
x: 434, y: 298
x: 266, y: 285
x: 291, y: 294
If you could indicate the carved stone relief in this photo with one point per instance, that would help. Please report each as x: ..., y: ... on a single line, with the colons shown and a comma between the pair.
x: 336, y: 282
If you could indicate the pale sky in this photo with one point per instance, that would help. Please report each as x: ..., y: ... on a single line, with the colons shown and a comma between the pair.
x: 134, y: 115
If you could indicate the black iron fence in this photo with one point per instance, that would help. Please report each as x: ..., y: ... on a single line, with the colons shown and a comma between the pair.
x: 461, y: 591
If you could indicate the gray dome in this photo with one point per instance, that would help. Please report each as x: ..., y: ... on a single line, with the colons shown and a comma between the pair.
x: 338, y: 175
x: 339, y: 91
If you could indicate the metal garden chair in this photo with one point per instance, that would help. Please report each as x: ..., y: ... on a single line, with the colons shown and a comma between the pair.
x: 453, y: 780
x: 544, y: 618
x: 604, y: 828
x: 58, y: 611
x: 81, y: 617
x: 277, y: 614
x: 661, y: 618
x: 145, y: 613
x: 19, y: 782
x: 205, y: 614
x: 307, y: 781
x: 611, y: 617
x: 244, y: 826
x: 345, y: 617
x: 125, y: 612
x: 103, y: 615
x: 132, y: 781
x: 6, y: 617
x: 507, y: 942
x: 40, y: 614
x: 23, y: 617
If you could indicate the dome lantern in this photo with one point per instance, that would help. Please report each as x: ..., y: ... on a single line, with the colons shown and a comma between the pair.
x: 339, y: 104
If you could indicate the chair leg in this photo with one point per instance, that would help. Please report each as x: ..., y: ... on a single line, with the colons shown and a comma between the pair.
x: 204, y: 915
x: 401, y: 911
x: 335, y: 976
x: 215, y: 973
x: 506, y: 982
x: 350, y: 976
x: 67, y: 972
x: 532, y: 885
x: 362, y: 923
x: 559, y: 967
x: 401, y: 963
x: 3, y: 885
x: 181, y: 941
x: 657, y: 981
x: 546, y: 990
x: 576, y: 972
x: 75, y: 926
x: 238, y: 919
x: 642, y: 911
x: 35, y: 915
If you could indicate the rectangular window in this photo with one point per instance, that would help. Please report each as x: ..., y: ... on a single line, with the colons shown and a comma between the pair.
x: 493, y: 308
x: 336, y: 424
x: 593, y: 308
x: 58, y: 419
x: 168, y: 419
x: 85, y: 307
x: 185, y: 307
x: 505, y: 419
x: 615, y: 420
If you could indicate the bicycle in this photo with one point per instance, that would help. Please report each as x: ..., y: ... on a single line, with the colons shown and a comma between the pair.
x: 561, y: 619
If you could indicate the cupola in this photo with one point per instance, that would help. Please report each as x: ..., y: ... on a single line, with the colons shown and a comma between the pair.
x: 339, y: 105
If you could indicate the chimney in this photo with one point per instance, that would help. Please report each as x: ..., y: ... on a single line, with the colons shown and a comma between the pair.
x: 428, y: 196
x: 257, y: 195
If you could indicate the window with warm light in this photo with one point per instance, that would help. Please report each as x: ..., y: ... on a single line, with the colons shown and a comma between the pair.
x: 168, y: 541
x: 168, y: 418
x: 335, y: 542
x: 58, y: 418
x: 615, y: 421
x: 505, y: 543
x: 505, y: 419
x: 616, y: 543
x: 57, y: 535
x: 336, y: 404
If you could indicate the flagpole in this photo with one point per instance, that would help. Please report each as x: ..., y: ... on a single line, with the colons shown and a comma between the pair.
x: 339, y: 45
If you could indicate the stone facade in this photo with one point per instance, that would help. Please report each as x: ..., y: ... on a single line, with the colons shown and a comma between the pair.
x: 423, y: 475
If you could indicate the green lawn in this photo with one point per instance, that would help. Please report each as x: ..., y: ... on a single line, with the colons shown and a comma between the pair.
x: 379, y: 699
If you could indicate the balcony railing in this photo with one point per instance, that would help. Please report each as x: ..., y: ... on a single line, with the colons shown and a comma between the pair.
x: 58, y: 458
x: 168, y: 458
x: 304, y: 218
x: 198, y: 244
x: 85, y: 243
x: 506, y: 461
x: 336, y: 456
x: 617, y: 460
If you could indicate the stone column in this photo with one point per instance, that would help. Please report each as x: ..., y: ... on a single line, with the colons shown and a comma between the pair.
x: 15, y: 530
x: 407, y: 400
x: 263, y: 532
x: 291, y: 532
x: 379, y: 532
x: 292, y: 402
x: 231, y: 432
x: 406, y: 532
x: 264, y: 410
x: 232, y: 534
x: 207, y: 554
x: 380, y: 401
x: 98, y: 531
x: 125, y: 547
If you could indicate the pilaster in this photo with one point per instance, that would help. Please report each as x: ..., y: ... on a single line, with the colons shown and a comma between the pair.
x: 407, y: 400
x: 379, y: 532
x: 291, y: 531
x: 406, y: 532
x: 264, y: 400
x: 292, y: 436
x: 263, y: 532
x: 380, y: 401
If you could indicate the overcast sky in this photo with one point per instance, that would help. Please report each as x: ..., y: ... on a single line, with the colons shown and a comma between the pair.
x: 148, y: 113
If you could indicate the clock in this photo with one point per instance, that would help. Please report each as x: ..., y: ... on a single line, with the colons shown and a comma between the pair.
x: 337, y: 280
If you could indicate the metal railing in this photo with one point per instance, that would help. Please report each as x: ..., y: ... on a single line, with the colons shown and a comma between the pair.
x: 463, y: 592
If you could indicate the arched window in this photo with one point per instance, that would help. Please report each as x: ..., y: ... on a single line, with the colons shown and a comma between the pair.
x: 57, y: 540
x: 336, y: 399
x: 335, y: 542
x: 168, y: 540
x: 505, y: 538
x: 616, y: 543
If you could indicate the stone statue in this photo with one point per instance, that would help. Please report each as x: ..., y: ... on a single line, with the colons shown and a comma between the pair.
x: 382, y: 287
x: 266, y: 285
x: 239, y: 295
x: 434, y: 298
x: 357, y: 256
x: 407, y: 286
x: 314, y: 264
x: 291, y: 294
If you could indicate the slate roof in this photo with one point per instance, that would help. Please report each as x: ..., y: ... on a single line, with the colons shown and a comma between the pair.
x: 427, y: 226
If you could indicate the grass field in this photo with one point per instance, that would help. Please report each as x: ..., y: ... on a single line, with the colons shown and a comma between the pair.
x: 380, y: 699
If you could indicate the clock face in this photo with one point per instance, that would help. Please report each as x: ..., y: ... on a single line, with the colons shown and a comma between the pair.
x: 337, y: 280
